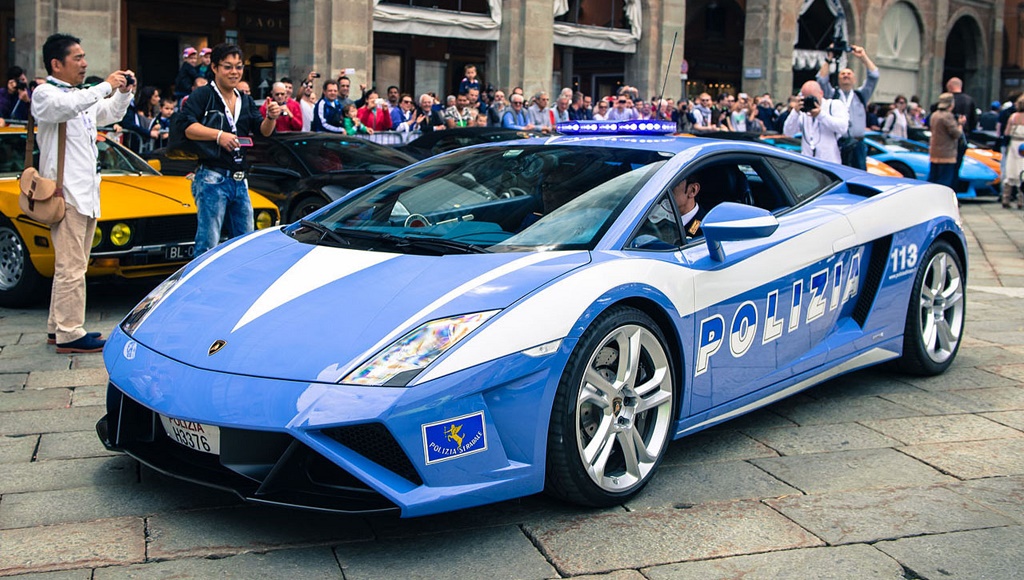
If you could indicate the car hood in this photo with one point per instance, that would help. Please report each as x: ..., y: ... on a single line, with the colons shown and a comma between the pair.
x: 294, y: 311
x: 124, y: 196
x: 137, y: 196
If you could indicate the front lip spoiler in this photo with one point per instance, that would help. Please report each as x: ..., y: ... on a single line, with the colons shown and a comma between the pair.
x: 278, y: 488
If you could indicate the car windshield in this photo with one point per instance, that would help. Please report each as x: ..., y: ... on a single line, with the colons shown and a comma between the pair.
x: 500, y: 198
x: 902, y: 145
x: 355, y: 155
x: 113, y: 159
x: 116, y: 160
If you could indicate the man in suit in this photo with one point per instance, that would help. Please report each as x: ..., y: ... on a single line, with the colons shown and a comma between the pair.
x: 691, y: 214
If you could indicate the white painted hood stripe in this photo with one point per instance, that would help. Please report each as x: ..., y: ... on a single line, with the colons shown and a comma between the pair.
x: 319, y: 267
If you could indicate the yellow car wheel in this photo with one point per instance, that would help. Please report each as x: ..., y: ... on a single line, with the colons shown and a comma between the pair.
x: 19, y: 281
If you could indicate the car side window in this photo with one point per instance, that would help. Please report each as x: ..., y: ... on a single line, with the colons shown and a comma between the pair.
x: 659, y: 229
x: 804, y: 181
x: 12, y: 154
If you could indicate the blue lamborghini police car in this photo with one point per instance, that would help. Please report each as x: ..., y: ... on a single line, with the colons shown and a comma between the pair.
x: 511, y: 318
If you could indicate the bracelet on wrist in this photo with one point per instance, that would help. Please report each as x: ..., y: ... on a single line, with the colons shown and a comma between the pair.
x: 219, y: 133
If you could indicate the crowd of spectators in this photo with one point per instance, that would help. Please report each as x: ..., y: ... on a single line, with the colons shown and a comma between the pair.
x: 329, y: 105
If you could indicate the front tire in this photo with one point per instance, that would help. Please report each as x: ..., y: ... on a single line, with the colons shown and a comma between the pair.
x: 612, y: 416
x: 935, y: 317
x: 306, y: 205
x: 19, y: 280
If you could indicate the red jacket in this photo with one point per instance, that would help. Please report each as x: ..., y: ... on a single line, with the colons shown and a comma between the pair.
x: 290, y: 122
x: 379, y: 120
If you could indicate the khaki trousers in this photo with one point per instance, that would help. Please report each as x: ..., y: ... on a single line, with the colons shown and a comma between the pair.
x: 72, y: 242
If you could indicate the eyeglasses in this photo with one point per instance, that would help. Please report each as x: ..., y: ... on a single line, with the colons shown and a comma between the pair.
x: 406, y: 102
x: 232, y: 67
x: 279, y: 93
x: 517, y: 102
x: 621, y: 102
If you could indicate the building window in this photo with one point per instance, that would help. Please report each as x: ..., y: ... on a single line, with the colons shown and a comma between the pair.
x: 469, y: 6
x: 600, y: 13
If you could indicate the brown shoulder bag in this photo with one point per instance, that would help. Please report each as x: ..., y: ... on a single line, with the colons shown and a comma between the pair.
x: 42, y: 199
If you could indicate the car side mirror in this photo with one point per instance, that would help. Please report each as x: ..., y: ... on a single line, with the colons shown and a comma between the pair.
x: 273, y: 171
x: 154, y: 163
x: 728, y: 222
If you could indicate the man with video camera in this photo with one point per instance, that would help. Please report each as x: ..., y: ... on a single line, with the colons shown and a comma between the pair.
x: 851, y: 144
x: 820, y: 122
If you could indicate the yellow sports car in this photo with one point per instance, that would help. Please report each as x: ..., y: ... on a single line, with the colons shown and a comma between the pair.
x: 147, y: 222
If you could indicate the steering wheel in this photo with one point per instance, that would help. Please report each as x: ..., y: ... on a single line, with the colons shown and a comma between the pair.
x: 417, y: 220
x: 512, y: 192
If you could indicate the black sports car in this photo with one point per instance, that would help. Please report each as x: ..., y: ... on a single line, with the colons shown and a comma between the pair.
x: 430, y: 144
x: 302, y: 172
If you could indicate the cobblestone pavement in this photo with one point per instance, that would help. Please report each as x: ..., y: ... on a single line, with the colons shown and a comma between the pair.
x: 871, y: 475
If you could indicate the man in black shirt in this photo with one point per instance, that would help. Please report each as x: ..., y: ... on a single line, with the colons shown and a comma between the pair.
x: 220, y: 121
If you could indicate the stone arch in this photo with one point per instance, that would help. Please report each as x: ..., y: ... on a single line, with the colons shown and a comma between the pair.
x: 900, y: 51
x: 966, y: 53
x: 714, y: 45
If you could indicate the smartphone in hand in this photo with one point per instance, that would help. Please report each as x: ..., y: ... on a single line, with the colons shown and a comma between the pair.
x: 245, y: 141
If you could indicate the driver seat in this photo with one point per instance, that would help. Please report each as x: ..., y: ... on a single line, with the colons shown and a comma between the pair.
x: 720, y: 184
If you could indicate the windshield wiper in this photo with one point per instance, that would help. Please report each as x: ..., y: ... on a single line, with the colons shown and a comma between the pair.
x: 442, y: 244
x: 434, y: 244
x: 325, y: 232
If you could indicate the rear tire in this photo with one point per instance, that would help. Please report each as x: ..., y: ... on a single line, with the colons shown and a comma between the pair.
x: 902, y: 168
x: 612, y: 416
x: 20, y: 283
x: 935, y: 316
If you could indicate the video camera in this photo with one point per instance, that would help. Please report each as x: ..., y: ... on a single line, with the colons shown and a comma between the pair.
x: 839, y: 44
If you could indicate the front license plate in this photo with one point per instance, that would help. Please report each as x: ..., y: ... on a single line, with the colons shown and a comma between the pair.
x: 204, y: 438
x: 182, y: 252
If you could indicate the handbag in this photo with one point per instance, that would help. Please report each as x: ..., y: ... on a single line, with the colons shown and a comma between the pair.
x: 42, y: 199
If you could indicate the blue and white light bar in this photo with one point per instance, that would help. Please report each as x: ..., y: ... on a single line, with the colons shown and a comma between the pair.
x: 650, y: 127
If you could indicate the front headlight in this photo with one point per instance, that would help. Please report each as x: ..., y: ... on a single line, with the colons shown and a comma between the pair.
x: 264, y: 219
x: 120, y: 234
x: 400, y: 362
x: 97, y: 237
x: 138, y: 314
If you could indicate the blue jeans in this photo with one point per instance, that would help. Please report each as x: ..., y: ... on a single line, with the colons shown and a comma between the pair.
x: 854, y: 153
x: 219, y: 198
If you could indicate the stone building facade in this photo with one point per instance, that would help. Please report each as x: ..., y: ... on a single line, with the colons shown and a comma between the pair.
x: 754, y: 46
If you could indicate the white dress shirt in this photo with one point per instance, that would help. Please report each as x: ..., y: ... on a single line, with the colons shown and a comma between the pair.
x: 84, y: 110
x: 307, y: 114
x: 820, y: 135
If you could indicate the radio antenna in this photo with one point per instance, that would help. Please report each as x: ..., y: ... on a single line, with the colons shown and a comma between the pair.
x: 667, y: 65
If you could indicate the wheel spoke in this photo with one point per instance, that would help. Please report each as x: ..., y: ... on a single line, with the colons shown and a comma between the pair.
x: 653, y: 402
x: 945, y: 336
x: 654, y: 383
x: 629, y: 358
x: 596, y: 380
x: 591, y: 396
x: 928, y: 333
x: 628, y: 444
x: 938, y: 271
x: 600, y: 449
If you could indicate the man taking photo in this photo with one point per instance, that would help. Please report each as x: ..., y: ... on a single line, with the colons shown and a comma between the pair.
x: 222, y: 120
x: 853, y: 151
x: 58, y: 101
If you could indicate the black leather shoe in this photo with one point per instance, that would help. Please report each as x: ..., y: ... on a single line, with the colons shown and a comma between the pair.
x: 85, y: 344
x: 52, y: 338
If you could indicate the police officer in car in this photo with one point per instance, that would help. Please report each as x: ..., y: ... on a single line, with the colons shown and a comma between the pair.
x: 685, y: 195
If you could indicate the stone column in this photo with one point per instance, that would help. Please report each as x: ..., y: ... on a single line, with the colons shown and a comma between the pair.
x: 96, y: 22
x: 646, y: 68
x: 330, y: 35
x: 526, y: 51
x: 769, y: 34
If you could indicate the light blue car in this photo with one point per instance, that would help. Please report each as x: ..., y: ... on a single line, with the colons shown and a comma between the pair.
x: 529, y: 316
x: 911, y: 159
